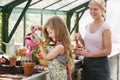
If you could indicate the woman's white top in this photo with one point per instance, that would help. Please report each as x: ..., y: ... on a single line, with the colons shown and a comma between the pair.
x: 94, y: 40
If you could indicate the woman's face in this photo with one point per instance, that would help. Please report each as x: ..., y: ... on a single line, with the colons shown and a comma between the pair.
x: 51, y: 33
x: 95, y: 11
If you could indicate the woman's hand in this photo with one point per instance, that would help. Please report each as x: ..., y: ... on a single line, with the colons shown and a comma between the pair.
x: 77, y: 36
x: 79, y: 51
x: 80, y: 39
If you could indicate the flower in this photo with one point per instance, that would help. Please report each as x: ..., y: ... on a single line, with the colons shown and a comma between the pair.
x: 39, y: 55
x: 33, y: 41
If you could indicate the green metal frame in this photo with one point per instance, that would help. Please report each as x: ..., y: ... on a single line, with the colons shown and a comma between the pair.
x: 70, y: 13
x: 1, y: 7
x: 41, y: 11
x: 6, y: 12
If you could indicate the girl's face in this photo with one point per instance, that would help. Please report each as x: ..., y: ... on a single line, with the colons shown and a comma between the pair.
x: 95, y: 11
x: 51, y: 33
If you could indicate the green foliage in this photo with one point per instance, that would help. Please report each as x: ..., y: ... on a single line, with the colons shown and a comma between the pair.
x: 34, y: 57
x: 12, y: 56
x: 37, y: 51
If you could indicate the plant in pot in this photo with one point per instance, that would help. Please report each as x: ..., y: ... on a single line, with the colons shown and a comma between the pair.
x: 28, y: 65
x: 28, y: 68
x: 12, y: 60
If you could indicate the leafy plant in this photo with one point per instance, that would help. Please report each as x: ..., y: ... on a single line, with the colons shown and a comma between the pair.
x: 12, y: 56
x: 34, y: 57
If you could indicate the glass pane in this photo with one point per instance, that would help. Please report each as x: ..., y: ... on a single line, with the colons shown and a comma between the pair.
x: 60, y: 4
x: 64, y: 5
x: 42, y: 4
x: 74, y: 4
x: 4, y: 2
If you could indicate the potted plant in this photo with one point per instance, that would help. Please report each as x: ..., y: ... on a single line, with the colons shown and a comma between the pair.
x: 12, y: 60
x: 28, y: 68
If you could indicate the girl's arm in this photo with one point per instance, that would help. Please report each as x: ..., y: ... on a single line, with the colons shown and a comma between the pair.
x: 57, y: 50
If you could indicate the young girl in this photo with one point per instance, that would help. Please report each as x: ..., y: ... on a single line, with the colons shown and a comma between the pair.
x: 60, y: 57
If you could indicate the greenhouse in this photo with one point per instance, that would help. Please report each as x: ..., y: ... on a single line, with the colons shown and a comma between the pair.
x: 17, y: 17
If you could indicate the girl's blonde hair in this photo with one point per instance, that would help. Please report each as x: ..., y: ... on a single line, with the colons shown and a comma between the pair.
x: 61, y: 34
x: 100, y: 3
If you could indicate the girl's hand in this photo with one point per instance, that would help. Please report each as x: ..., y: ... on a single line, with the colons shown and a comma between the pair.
x: 40, y: 28
x: 41, y: 44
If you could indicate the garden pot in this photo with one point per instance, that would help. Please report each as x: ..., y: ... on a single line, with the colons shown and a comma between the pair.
x: 28, y: 68
x: 21, y: 52
x: 12, y: 61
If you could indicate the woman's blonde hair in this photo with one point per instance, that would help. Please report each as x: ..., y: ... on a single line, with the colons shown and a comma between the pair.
x: 100, y: 3
x: 61, y: 34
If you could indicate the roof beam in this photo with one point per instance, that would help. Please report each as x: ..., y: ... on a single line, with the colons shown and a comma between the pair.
x: 15, y: 3
x: 20, y: 18
x: 35, y: 2
x: 6, y: 12
x: 80, y: 6
x: 52, y: 4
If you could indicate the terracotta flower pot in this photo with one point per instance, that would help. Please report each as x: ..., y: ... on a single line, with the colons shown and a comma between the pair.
x: 28, y: 68
x: 12, y: 61
x: 21, y: 52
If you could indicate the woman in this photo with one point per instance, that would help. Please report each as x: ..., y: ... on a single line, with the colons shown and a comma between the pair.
x: 97, y: 44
